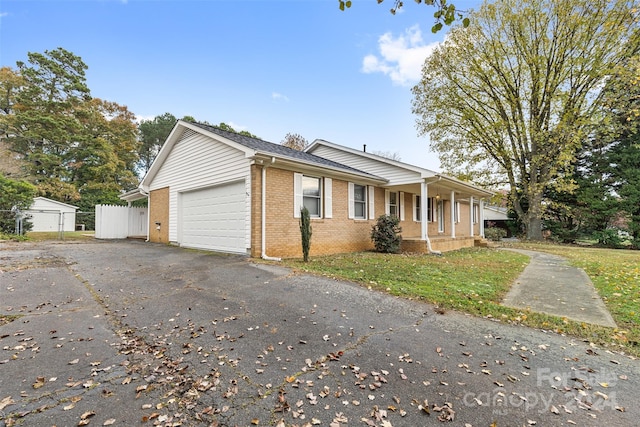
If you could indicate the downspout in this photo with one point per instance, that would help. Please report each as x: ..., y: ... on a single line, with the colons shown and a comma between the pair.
x: 263, y: 225
x: 423, y: 212
x: 148, y: 212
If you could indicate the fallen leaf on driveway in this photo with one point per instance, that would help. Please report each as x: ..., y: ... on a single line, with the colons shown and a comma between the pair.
x: 6, y: 401
x: 39, y: 382
x: 87, y: 415
x: 74, y: 361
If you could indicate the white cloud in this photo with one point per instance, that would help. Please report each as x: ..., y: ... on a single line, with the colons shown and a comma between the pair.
x: 279, y: 97
x: 236, y: 127
x: 3, y: 14
x: 400, y: 58
x: 140, y: 118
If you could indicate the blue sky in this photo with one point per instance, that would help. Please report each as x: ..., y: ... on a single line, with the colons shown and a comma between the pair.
x: 270, y: 67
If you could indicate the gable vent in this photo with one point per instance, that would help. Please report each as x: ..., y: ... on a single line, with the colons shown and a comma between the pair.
x: 187, y: 134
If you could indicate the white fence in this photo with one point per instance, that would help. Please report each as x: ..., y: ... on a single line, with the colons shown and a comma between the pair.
x: 120, y: 222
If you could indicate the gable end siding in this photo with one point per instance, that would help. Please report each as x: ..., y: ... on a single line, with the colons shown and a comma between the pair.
x: 198, y: 161
x: 374, y: 167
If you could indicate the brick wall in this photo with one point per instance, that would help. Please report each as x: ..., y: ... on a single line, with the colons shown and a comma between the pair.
x: 338, y: 234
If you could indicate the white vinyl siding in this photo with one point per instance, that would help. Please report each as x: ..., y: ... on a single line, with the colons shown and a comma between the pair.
x: 199, y: 161
x: 372, y: 166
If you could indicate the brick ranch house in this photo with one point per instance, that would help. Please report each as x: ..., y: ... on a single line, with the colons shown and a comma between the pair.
x: 218, y: 190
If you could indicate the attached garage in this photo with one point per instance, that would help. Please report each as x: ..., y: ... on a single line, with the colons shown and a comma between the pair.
x: 214, y: 218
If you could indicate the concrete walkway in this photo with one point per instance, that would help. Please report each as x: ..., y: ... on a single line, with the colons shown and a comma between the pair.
x: 550, y: 285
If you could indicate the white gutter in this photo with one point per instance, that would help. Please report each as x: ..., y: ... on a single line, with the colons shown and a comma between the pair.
x: 263, y: 226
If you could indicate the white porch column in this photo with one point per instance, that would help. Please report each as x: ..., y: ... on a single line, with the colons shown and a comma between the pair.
x: 471, y: 216
x: 424, y: 194
x: 453, y: 214
x: 482, y: 218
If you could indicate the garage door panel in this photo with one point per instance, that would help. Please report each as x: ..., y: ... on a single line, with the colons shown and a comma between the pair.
x: 214, y: 218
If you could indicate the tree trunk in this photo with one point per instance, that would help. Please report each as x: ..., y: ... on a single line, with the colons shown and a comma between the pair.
x: 533, y: 221
x: 534, y: 228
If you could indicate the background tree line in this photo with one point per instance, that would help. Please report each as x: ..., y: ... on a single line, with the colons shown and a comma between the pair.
x: 58, y: 141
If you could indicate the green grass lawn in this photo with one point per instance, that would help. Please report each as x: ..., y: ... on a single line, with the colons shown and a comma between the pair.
x: 54, y: 235
x: 40, y: 236
x: 475, y: 280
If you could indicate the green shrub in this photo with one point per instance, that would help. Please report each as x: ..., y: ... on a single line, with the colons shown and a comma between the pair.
x: 386, y: 234
x: 610, y: 238
x: 14, y: 193
x: 305, y: 232
x: 495, y: 233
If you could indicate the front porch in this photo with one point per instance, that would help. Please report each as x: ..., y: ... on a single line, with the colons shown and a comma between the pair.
x: 440, y: 243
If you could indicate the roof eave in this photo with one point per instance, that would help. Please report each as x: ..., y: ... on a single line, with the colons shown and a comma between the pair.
x: 298, y: 164
x: 423, y: 171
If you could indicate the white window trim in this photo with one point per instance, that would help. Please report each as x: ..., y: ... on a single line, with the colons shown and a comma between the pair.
x: 416, y: 217
x: 368, y: 201
x: 399, y: 203
x: 298, y: 196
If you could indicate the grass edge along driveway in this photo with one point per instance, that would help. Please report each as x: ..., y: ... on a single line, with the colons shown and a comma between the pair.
x: 475, y: 281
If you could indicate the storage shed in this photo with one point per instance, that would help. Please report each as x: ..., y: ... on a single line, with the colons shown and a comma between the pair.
x: 51, y: 215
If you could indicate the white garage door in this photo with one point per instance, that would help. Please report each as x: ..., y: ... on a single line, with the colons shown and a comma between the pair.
x: 214, y: 218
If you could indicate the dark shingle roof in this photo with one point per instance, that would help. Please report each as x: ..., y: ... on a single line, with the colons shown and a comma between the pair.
x: 281, y: 150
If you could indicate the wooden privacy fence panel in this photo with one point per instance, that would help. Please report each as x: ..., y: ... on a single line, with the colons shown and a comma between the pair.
x: 120, y: 222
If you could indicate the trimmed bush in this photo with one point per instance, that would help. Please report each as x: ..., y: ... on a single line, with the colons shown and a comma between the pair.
x: 386, y: 234
x: 305, y: 232
x: 495, y: 233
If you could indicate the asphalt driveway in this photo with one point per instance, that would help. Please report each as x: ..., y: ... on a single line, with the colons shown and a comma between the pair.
x: 132, y: 333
